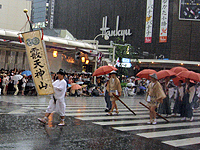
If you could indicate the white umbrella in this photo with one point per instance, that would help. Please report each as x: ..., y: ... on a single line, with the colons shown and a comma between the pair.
x: 17, y: 77
x: 130, y: 84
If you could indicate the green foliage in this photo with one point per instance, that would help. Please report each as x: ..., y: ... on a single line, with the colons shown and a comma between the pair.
x: 123, y: 85
x: 124, y: 50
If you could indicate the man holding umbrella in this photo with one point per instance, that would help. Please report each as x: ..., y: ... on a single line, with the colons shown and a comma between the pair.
x: 57, y: 102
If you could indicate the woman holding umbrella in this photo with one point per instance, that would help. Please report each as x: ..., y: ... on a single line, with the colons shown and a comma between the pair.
x: 186, y: 108
x: 178, y: 98
x: 165, y: 107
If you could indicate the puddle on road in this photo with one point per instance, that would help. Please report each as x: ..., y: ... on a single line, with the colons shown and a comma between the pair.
x: 6, y: 107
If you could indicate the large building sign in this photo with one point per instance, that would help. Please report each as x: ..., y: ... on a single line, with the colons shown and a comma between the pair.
x: 164, y: 21
x: 117, y: 32
x: 149, y: 21
x: 37, y: 59
x: 189, y: 10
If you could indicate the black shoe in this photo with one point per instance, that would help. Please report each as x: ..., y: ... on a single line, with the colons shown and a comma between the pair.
x: 107, y: 110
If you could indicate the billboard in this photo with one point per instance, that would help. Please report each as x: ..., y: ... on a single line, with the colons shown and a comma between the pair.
x: 189, y: 10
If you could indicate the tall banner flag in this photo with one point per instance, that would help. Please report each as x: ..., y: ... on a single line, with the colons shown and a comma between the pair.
x: 164, y: 21
x: 36, y: 53
x: 149, y: 21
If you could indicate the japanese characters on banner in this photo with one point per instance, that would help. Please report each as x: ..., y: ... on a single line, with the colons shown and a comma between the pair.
x: 149, y: 21
x: 36, y: 54
x: 164, y: 21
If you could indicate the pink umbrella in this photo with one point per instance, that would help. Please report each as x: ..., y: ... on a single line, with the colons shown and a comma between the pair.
x: 76, y: 87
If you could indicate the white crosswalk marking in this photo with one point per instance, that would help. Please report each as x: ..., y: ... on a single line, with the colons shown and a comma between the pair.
x: 183, y: 142
x: 185, y: 133
x: 169, y: 133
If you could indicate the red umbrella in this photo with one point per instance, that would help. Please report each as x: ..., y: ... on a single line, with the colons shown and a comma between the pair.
x: 103, y: 70
x: 190, y: 74
x: 178, y: 69
x: 138, y: 79
x: 145, y: 73
x: 165, y: 73
x: 177, y: 79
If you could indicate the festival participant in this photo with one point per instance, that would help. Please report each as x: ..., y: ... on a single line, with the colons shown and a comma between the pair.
x: 57, y: 102
x: 107, y: 97
x: 186, y: 108
x: 178, y: 98
x: 155, y: 95
x: 113, y: 86
x: 165, y: 107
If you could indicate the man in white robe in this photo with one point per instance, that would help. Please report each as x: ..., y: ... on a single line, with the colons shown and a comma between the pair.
x: 57, y: 102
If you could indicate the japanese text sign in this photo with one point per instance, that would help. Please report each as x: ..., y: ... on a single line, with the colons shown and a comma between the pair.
x: 164, y: 21
x: 36, y: 53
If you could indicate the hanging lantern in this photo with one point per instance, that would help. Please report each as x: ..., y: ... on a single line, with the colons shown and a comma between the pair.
x: 83, y: 59
x: 55, y: 54
x: 87, y: 62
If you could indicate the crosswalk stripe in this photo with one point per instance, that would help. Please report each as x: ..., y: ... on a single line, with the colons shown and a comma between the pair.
x: 144, y: 127
x: 100, y: 113
x: 169, y: 133
x: 104, y: 123
x: 112, y: 117
x: 183, y: 142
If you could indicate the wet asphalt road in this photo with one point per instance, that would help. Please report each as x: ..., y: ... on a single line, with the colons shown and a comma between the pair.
x: 23, y: 132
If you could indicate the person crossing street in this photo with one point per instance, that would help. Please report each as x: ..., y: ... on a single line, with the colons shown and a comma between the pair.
x: 57, y: 102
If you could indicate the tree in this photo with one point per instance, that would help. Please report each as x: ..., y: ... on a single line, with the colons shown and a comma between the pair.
x: 124, y: 50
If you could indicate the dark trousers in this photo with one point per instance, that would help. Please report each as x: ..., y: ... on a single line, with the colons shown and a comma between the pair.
x: 107, y: 100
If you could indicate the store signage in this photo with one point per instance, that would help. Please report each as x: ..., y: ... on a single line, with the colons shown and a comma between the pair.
x: 126, y: 60
x: 149, y: 21
x: 189, y: 10
x: 117, y: 32
x: 164, y: 21
x: 124, y: 65
x: 37, y: 58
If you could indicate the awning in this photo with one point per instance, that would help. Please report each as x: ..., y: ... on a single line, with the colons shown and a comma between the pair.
x: 11, y: 37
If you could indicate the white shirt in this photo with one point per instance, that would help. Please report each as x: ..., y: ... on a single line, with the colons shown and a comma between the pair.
x: 59, y: 88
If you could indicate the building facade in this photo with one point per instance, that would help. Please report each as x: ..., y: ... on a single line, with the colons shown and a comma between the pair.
x: 12, y: 15
x: 150, y: 26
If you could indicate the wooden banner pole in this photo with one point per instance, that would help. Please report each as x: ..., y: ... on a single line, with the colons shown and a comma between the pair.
x: 124, y: 103
x: 156, y: 112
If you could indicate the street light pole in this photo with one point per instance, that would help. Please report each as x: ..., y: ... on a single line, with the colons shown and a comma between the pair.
x: 106, y: 37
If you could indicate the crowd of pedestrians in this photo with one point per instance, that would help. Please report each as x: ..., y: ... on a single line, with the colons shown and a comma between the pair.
x: 11, y: 85
x: 172, y: 100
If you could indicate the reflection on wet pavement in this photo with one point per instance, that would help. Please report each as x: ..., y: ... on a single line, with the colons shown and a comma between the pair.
x: 24, y: 132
